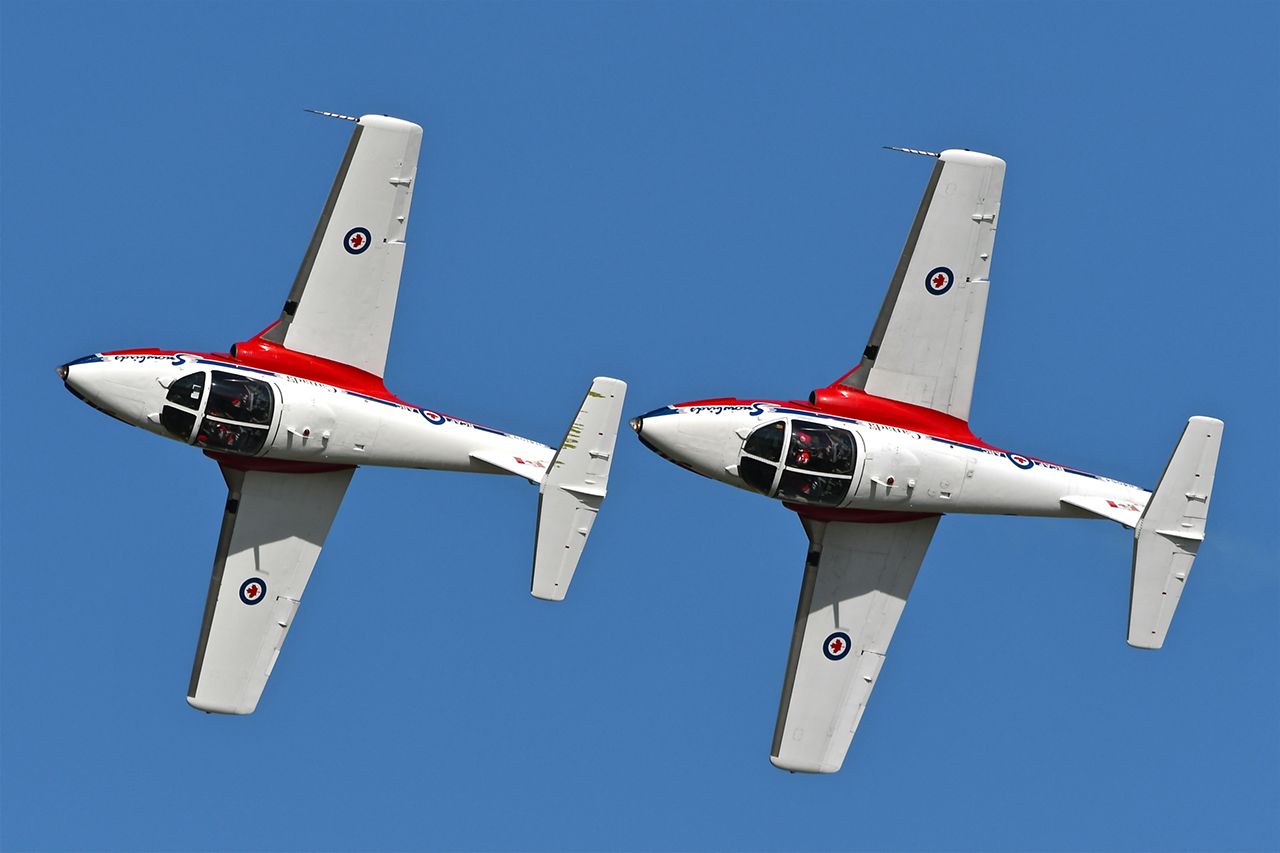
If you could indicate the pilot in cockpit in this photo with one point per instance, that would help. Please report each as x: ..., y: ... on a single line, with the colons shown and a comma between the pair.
x: 248, y: 404
x: 220, y: 435
x: 240, y: 399
x: 811, y: 449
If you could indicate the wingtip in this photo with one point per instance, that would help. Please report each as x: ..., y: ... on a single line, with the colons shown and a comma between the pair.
x: 220, y: 707
x: 821, y: 768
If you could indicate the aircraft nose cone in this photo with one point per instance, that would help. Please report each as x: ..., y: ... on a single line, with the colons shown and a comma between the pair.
x: 64, y: 370
x: 656, y: 433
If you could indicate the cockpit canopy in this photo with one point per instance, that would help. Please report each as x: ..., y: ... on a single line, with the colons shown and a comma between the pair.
x: 233, y: 416
x: 818, y: 468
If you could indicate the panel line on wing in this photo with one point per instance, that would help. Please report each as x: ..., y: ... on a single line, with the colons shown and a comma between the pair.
x: 277, y: 332
x: 857, y: 378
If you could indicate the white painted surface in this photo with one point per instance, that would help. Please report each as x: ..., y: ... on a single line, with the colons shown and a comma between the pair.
x: 1169, y: 535
x: 574, y: 487
x: 275, y: 537
x: 928, y: 351
x: 347, y: 308
x: 863, y: 577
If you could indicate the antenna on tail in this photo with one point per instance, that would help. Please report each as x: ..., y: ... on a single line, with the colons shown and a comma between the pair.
x: 910, y: 151
x: 333, y: 115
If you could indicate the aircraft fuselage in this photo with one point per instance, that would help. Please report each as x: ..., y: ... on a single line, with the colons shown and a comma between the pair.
x: 830, y: 466
x: 250, y: 416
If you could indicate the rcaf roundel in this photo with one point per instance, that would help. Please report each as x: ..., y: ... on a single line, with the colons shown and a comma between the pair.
x: 1021, y: 461
x: 939, y: 280
x: 253, y: 590
x: 836, y: 646
x: 356, y: 241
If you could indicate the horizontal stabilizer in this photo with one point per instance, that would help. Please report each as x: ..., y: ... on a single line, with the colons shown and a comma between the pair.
x: 1170, y: 532
x: 1123, y: 511
x: 574, y: 487
x: 532, y: 466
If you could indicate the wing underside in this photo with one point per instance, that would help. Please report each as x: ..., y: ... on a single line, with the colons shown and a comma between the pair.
x: 343, y: 300
x: 856, y: 581
x: 273, y: 528
x: 924, y: 346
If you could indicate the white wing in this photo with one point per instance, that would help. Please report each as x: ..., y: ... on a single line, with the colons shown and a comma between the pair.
x: 924, y: 346
x: 856, y: 582
x: 343, y: 300
x: 272, y: 532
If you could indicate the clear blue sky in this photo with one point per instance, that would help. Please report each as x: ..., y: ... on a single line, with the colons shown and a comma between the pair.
x: 691, y: 197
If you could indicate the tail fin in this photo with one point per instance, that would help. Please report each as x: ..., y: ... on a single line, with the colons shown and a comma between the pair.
x: 1170, y: 531
x: 574, y: 488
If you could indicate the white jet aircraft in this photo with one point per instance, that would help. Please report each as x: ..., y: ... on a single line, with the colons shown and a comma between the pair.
x: 872, y: 461
x: 290, y: 413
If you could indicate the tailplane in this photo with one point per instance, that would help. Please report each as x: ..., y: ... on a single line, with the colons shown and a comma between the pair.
x: 574, y: 488
x: 1170, y: 531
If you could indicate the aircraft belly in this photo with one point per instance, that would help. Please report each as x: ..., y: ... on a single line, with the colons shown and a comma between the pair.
x: 324, y: 425
x: 908, y: 476
x: 992, y: 490
x: 409, y: 439
x: 1000, y: 485
x: 406, y: 439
